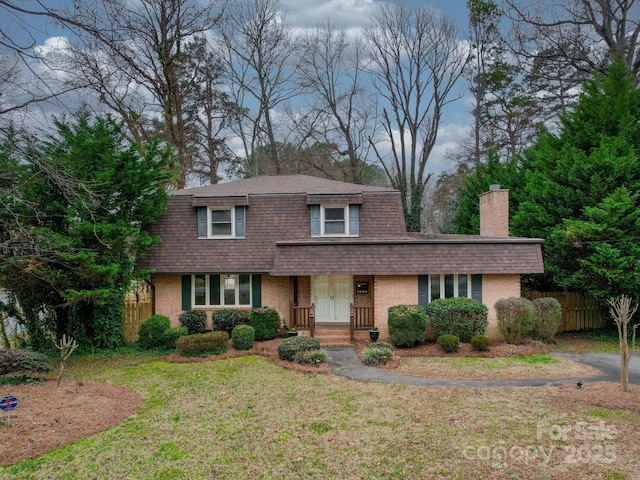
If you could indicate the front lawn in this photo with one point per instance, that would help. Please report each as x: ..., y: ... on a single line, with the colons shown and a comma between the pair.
x: 246, y: 417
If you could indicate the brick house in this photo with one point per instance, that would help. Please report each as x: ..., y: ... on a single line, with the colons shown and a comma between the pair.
x: 330, y: 256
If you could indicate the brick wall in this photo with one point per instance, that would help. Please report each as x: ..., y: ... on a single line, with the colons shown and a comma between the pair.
x: 392, y: 290
x: 495, y: 287
x: 494, y: 213
x: 275, y: 294
x: 168, y: 297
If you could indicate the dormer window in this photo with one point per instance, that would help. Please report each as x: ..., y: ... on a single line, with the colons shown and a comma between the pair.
x: 221, y: 222
x: 334, y: 220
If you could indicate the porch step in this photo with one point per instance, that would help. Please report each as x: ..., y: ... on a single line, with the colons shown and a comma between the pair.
x: 333, y: 338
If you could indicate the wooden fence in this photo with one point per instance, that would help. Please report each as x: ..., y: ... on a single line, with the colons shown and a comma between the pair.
x: 579, y: 311
x: 137, y: 309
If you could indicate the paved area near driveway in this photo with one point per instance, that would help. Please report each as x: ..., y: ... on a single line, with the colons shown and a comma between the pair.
x: 345, y: 362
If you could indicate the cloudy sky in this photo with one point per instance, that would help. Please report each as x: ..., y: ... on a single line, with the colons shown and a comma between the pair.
x: 352, y: 15
x: 303, y: 14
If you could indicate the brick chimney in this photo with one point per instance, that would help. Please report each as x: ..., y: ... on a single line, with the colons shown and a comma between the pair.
x: 494, y: 212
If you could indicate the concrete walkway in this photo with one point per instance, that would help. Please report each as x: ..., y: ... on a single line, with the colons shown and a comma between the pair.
x: 345, y: 362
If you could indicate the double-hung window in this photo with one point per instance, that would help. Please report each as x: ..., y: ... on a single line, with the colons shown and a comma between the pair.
x: 221, y: 222
x: 334, y: 220
x: 227, y: 290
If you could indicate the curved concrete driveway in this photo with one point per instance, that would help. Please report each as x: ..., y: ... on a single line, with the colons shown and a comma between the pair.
x: 345, y: 362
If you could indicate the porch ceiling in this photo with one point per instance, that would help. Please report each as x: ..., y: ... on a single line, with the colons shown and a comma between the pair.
x: 508, y: 256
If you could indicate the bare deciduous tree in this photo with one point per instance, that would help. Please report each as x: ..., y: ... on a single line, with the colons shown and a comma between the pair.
x: 581, y: 35
x: 331, y: 70
x: 258, y: 50
x: 622, y: 312
x: 416, y: 62
x: 130, y: 54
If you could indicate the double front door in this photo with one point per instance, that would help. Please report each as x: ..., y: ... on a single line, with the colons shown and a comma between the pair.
x: 332, y: 296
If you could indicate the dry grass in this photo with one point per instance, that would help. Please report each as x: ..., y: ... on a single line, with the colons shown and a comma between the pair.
x: 538, y: 366
x: 247, y: 417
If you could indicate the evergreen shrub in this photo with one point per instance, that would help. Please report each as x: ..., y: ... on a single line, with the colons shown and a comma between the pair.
x: 461, y: 316
x: 407, y: 325
x: 480, y: 343
x: 289, y: 347
x: 227, y: 320
x: 15, y: 360
x: 194, y: 320
x: 242, y: 337
x: 171, y: 336
x: 203, y: 344
x: 449, y: 343
x: 265, y: 321
x: 152, y: 332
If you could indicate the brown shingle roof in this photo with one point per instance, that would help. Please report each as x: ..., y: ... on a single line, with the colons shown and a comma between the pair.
x: 278, y: 240
x: 279, y: 185
x: 450, y: 254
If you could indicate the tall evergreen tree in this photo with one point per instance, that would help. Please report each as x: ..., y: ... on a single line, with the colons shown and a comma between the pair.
x: 596, y: 152
x: 509, y: 174
x: 81, y: 205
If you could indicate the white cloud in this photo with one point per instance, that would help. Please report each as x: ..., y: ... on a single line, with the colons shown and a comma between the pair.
x: 341, y: 13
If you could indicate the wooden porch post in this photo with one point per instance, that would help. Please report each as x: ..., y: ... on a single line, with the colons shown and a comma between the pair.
x: 292, y: 312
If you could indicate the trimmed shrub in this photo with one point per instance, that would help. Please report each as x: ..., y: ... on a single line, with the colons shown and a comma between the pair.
x: 171, y: 336
x: 407, y: 325
x: 376, y: 353
x: 227, y: 320
x: 265, y: 321
x: 292, y: 345
x: 203, y: 344
x: 449, y: 343
x: 515, y: 318
x: 194, y: 320
x: 311, y: 357
x: 152, y: 332
x: 14, y: 360
x: 463, y: 317
x: 242, y: 337
x: 548, y: 317
x: 480, y: 343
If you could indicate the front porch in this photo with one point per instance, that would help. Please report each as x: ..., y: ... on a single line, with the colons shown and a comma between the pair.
x: 361, y: 319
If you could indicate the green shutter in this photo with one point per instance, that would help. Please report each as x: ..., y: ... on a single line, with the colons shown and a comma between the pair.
x: 315, y: 220
x: 240, y: 213
x: 186, y: 292
x: 256, y: 291
x: 423, y: 290
x: 476, y: 287
x: 214, y: 289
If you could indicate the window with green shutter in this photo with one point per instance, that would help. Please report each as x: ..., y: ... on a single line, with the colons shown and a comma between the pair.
x: 434, y: 286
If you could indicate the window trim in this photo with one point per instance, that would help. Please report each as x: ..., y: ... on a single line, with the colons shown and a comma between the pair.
x: 207, y: 290
x: 345, y: 220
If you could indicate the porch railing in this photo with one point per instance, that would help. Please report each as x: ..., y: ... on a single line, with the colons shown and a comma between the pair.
x: 361, y: 318
x: 305, y: 317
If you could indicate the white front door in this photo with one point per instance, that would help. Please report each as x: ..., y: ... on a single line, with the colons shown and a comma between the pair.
x: 332, y: 296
